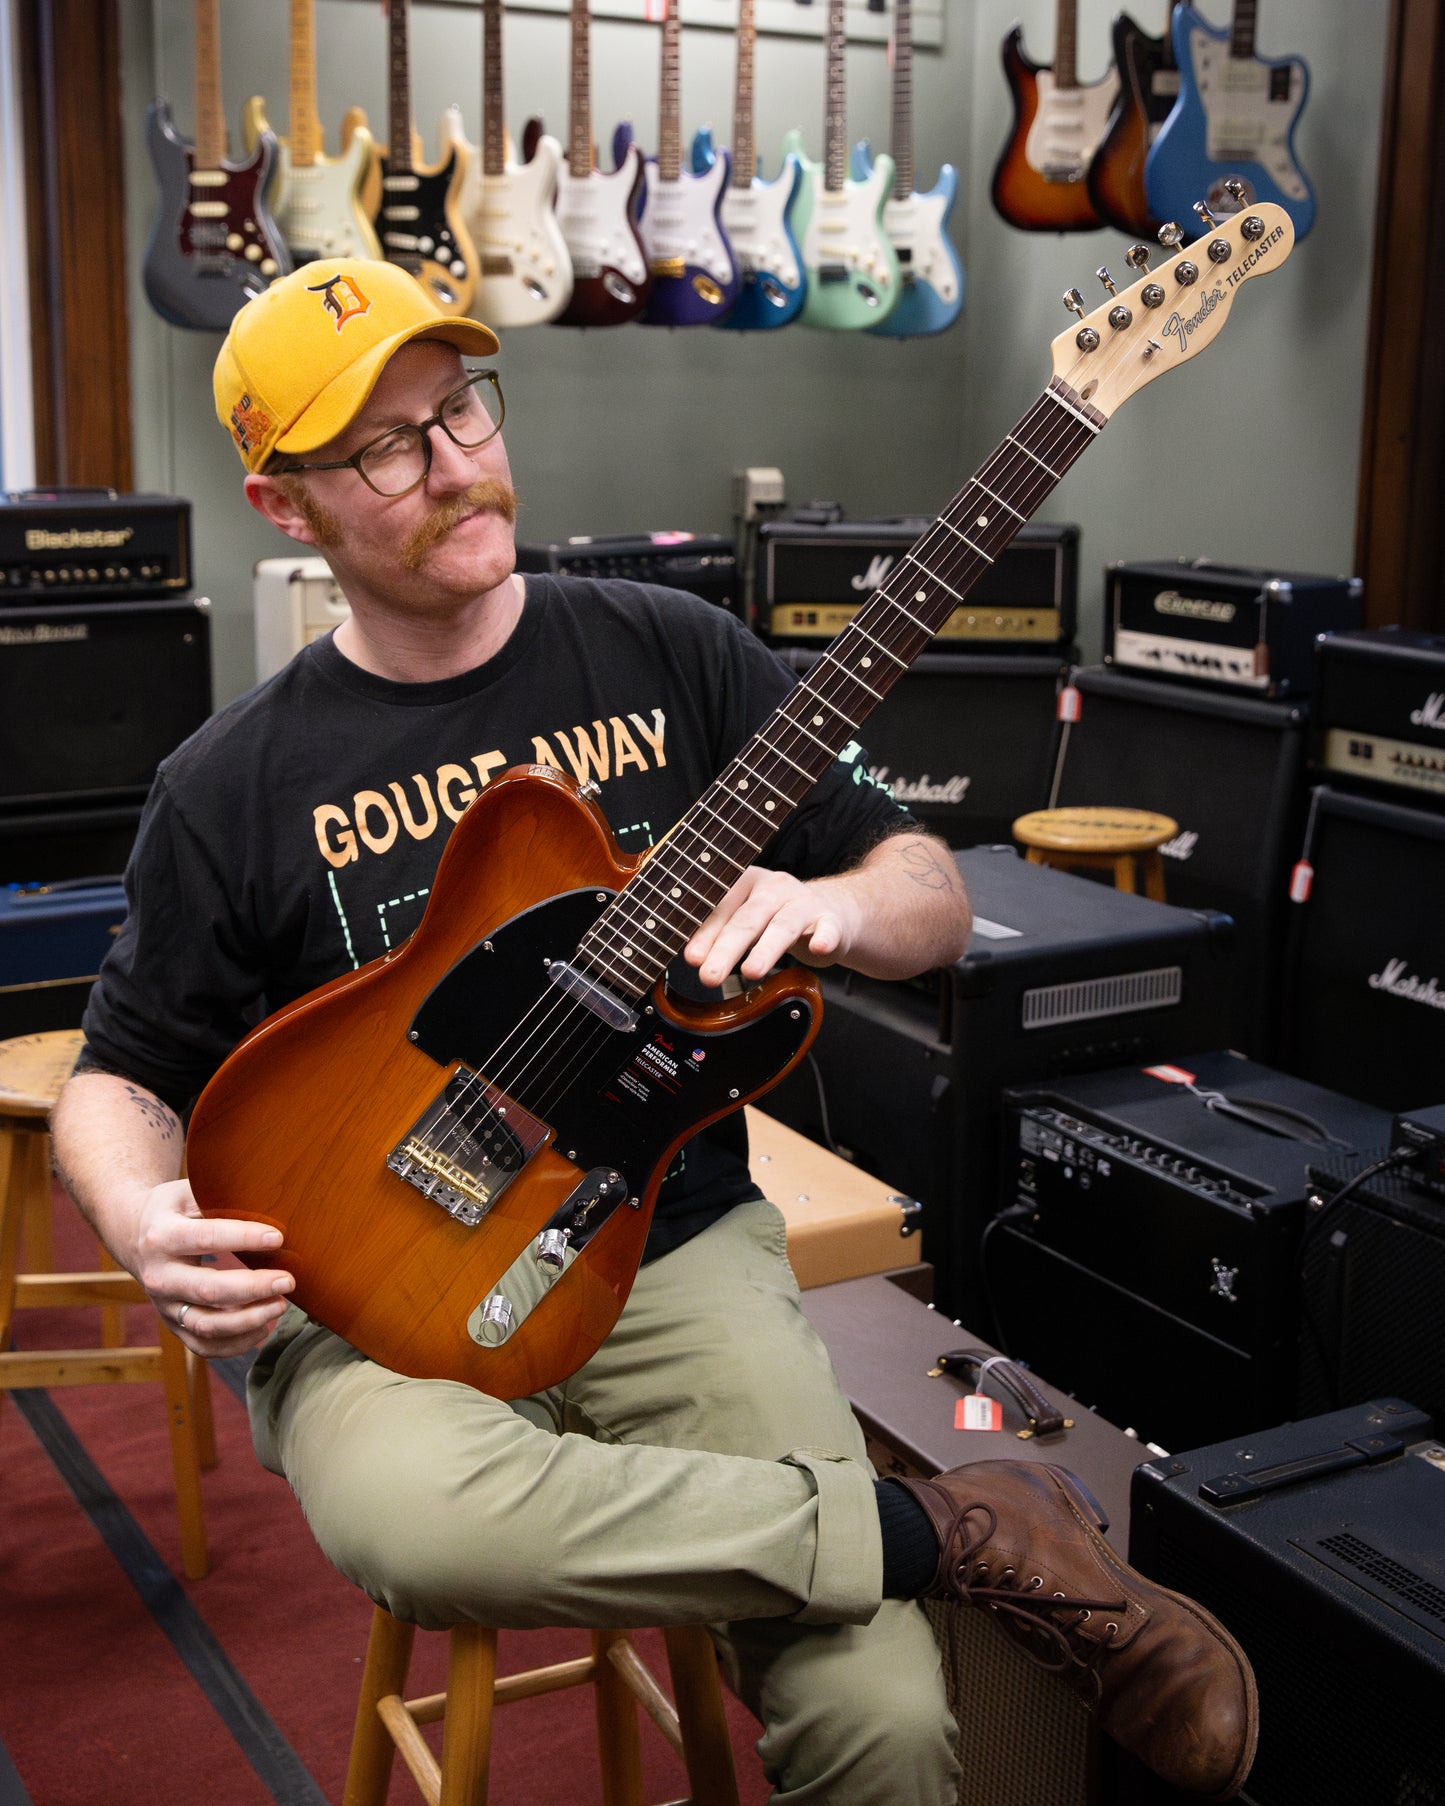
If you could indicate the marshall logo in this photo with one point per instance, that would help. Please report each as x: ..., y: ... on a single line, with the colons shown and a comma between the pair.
x: 921, y: 790
x: 1400, y: 983
x: 1433, y: 713
x: 1192, y: 608
x: 341, y: 298
x: 878, y: 568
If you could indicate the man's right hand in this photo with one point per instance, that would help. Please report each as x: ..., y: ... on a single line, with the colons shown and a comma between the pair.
x: 215, y: 1309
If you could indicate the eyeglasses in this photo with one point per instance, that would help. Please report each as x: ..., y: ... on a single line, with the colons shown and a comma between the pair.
x: 399, y: 460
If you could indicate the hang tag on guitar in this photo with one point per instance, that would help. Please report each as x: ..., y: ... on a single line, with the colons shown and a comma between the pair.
x: 977, y: 1412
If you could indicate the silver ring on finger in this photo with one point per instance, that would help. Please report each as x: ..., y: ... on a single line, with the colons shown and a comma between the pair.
x: 181, y: 1315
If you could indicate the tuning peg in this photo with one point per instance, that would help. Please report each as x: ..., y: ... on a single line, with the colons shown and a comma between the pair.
x: 1137, y: 257
x: 1108, y: 281
x: 1237, y: 192
x: 1074, y: 301
x: 1171, y: 236
x: 1205, y: 214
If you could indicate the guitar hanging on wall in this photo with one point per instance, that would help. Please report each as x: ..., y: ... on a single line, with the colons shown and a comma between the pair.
x: 1041, y: 180
x: 318, y: 204
x: 461, y: 1143
x: 852, y: 267
x: 526, y: 272
x: 762, y: 219
x: 213, y: 242
x: 931, y: 294
x: 417, y: 219
x: 695, y: 277
x: 1234, y: 120
x: 1148, y: 89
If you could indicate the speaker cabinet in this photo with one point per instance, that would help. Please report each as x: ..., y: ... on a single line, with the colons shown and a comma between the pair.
x: 41, y: 846
x: 1230, y: 771
x: 967, y: 742
x: 93, y: 698
x: 1365, y: 987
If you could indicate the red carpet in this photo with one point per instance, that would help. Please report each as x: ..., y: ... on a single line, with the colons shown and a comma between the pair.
x: 97, y: 1700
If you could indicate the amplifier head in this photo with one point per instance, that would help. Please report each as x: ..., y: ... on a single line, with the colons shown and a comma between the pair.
x: 88, y: 544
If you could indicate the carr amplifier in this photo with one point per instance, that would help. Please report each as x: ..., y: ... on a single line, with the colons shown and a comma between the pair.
x: 92, y: 543
x: 1246, y: 629
x: 965, y: 741
x: 93, y: 698
x: 1148, y: 1255
x: 1061, y: 976
x: 705, y: 564
x: 294, y: 601
x: 1318, y: 1545
x: 812, y: 578
x: 52, y: 940
x: 1380, y: 711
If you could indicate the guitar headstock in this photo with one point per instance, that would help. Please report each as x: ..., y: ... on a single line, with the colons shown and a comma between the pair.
x: 1172, y: 311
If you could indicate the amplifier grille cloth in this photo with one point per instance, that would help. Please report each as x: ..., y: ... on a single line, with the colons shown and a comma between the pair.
x: 1115, y: 995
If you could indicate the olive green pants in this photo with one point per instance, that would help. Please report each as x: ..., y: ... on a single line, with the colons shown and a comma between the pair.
x: 703, y: 1466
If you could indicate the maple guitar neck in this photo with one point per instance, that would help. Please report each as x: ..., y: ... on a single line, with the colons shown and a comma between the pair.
x: 835, y: 105
x: 303, y: 125
x: 669, y: 133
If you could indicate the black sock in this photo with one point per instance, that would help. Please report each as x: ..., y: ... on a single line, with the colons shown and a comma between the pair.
x: 910, y: 1543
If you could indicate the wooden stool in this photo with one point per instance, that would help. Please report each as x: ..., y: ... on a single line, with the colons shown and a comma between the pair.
x: 1102, y: 839
x: 386, y: 1721
x: 32, y: 1070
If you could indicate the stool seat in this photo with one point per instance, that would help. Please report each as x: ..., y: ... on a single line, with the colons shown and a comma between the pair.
x: 34, y: 1067
x: 1100, y: 837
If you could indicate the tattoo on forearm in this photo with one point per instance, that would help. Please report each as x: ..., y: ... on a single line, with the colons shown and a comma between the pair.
x: 162, y: 1120
x: 924, y: 867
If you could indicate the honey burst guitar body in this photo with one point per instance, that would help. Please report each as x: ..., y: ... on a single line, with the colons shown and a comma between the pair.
x: 580, y: 1109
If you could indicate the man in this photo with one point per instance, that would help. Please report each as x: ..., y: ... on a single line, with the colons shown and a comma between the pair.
x: 702, y: 1465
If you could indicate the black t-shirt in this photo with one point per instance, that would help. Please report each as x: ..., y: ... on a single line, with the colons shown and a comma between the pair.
x: 297, y: 834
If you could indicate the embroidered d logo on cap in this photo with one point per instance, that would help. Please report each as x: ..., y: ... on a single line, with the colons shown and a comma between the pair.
x: 301, y: 358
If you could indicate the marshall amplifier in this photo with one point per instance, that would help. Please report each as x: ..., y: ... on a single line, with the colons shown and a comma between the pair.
x: 1061, y: 976
x: 702, y: 563
x: 52, y: 940
x: 1380, y: 712
x: 1248, y: 630
x: 1148, y: 1256
x: 967, y: 742
x: 1231, y: 771
x: 1318, y: 1545
x: 93, y: 698
x: 92, y: 543
x: 812, y: 578
x: 1364, y: 992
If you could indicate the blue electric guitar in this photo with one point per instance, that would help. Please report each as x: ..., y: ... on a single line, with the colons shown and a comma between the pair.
x: 1234, y: 120
x: 931, y: 277
x: 761, y: 218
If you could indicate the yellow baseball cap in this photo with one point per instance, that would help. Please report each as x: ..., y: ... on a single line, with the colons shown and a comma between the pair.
x: 302, y: 357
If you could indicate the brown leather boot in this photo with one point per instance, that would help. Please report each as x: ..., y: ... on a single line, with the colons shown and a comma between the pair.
x: 1170, y: 1683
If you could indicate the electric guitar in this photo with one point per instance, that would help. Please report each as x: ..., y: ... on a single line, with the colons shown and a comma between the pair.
x: 1235, y: 118
x: 931, y: 294
x: 597, y: 209
x: 318, y: 203
x: 213, y: 243
x: 461, y: 1143
x: 1148, y: 89
x: 695, y: 277
x: 417, y: 218
x: 852, y: 268
x: 526, y: 273
x: 762, y: 219
x: 1040, y: 182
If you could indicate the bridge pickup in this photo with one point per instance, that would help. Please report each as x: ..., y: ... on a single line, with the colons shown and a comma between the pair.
x: 467, y: 1147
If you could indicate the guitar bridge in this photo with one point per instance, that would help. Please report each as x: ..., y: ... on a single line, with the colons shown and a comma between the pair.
x: 467, y: 1147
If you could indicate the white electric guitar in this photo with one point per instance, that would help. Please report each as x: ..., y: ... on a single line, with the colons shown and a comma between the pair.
x: 507, y: 207
x: 318, y: 201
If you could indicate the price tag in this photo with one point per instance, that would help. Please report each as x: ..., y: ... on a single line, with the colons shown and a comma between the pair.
x: 976, y: 1412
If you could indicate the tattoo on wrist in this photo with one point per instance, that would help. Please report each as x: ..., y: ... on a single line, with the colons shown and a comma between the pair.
x: 924, y: 867
x: 161, y: 1119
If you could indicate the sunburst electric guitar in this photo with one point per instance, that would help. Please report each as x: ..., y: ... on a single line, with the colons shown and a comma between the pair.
x: 461, y: 1143
x: 1040, y: 182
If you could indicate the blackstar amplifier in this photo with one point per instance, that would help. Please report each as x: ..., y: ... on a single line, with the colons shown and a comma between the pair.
x: 1318, y: 1545
x: 1061, y: 976
x: 52, y: 940
x: 93, y: 698
x: 1231, y: 771
x: 1148, y: 1255
x: 703, y: 563
x: 55, y: 546
x: 812, y: 578
x: 1364, y: 991
x: 966, y: 742
x: 1380, y: 712
x: 1249, y: 630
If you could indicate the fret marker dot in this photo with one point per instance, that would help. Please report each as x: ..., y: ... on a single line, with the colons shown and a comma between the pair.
x: 627, y: 952
x: 652, y: 921
x: 865, y: 662
x: 769, y: 804
x: 676, y: 890
x: 704, y: 857
x: 817, y: 721
x: 982, y: 521
x: 742, y: 783
x: 920, y: 595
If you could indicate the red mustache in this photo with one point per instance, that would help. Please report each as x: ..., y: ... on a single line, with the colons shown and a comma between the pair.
x: 486, y: 492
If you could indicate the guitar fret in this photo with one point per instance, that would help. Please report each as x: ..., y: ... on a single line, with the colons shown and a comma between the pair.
x: 1069, y: 408
x: 874, y: 640
x: 959, y: 533
x: 999, y: 499
x: 1037, y: 460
